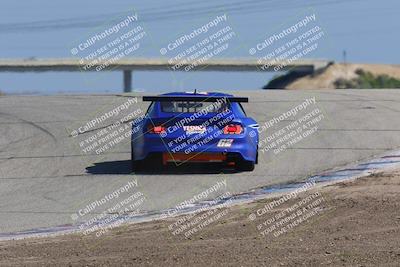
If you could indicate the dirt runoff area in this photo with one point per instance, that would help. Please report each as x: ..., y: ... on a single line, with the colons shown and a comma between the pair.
x: 354, y: 223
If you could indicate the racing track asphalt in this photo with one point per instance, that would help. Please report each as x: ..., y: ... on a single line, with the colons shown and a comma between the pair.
x: 45, y: 177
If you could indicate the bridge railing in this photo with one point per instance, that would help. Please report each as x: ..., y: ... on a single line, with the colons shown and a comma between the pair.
x: 127, y: 65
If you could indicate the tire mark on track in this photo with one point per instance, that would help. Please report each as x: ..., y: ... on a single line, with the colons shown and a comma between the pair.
x: 61, y: 156
x: 54, y: 170
x: 35, y: 125
x: 4, y: 149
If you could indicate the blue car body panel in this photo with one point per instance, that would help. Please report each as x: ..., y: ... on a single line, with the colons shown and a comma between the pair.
x: 177, y: 139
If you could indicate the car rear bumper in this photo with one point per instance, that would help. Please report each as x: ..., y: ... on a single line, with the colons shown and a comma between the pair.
x: 193, y: 157
x: 240, y: 145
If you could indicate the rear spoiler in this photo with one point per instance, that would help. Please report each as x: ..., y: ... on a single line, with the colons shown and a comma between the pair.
x: 167, y: 98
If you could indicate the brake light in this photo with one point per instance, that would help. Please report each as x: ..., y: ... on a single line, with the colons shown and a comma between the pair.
x: 157, y: 129
x: 233, y: 129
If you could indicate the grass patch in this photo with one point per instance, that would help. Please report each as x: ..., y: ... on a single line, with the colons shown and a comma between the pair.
x: 367, y: 80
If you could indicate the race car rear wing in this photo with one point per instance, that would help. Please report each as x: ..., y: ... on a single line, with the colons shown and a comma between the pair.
x: 167, y: 98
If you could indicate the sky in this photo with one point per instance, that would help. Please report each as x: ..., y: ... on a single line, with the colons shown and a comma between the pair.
x: 367, y: 30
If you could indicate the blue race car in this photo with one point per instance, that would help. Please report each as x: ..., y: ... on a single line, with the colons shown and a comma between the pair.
x: 194, y: 127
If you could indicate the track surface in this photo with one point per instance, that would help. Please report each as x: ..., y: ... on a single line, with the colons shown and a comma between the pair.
x: 45, y: 177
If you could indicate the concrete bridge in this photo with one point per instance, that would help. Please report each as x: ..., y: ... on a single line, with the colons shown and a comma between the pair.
x: 127, y: 65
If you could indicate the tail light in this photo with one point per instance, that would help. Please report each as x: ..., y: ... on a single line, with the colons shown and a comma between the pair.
x: 233, y: 129
x: 156, y: 129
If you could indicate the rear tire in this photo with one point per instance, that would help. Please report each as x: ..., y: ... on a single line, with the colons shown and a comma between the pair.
x: 133, y: 161
x: 136, y: 165
x: 244, y: 165
x: 153, y: 162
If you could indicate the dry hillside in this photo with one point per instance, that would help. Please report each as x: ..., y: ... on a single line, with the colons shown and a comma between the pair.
x: 326, y: 78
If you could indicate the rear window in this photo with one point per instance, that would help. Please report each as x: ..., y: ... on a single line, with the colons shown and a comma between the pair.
x: 193, y: 107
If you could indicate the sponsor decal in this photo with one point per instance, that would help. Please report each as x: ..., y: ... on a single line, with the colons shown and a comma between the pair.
x: 194, y: 129
x: 225, y: 143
